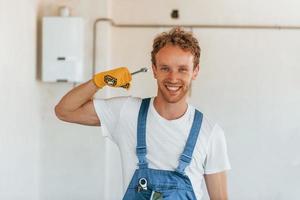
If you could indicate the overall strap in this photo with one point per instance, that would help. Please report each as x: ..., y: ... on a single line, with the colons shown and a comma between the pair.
x: 141, y: 149
x: 186, y: 156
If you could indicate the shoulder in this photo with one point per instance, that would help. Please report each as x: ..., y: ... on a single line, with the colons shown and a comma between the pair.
x: 117, y: 101
x: 134, y: 100
x: 210, y: 129
x: 208, y: 124
x: 115, y: 107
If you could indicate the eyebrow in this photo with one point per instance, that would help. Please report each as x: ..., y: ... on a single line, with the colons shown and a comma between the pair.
x: 183, y: 66
x: 180, y: 66
x: 163, y: 65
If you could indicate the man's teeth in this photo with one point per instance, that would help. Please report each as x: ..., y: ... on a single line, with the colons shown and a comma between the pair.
x: 173, y: 88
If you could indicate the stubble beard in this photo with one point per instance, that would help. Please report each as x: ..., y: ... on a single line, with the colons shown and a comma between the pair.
x: 181, y: 96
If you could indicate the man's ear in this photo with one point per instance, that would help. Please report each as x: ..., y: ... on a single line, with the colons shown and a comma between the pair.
x: 195, y: 72
x: 154, y: 70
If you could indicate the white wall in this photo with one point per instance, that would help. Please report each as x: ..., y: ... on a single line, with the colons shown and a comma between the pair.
x: 72, y: 163
x: 242, y: 12
x: 40, y: 156
x: 248, y: 83
x: 19, y: 102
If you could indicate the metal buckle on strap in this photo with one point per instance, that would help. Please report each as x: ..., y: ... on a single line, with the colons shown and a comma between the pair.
x: 185, y: 158
x: 141, y: 150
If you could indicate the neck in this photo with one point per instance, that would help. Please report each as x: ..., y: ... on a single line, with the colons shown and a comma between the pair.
x: 170, y: 111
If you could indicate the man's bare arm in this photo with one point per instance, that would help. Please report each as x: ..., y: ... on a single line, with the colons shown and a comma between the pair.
x: 216, y: 186
x: 77, y: 105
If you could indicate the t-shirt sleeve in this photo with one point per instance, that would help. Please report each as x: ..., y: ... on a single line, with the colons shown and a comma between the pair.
x: 108, y: 112
x: 217, y: 158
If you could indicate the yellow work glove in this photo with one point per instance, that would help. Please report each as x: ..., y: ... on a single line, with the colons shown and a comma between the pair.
x: 119, y: 77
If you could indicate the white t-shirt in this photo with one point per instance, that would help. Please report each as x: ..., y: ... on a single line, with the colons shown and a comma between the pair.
x: 165, y: 140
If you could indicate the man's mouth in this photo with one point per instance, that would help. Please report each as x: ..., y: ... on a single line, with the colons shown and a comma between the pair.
x: 173, y: 88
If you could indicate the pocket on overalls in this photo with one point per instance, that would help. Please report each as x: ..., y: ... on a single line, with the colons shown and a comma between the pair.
x: 148, y: 195
x: 143, y: 195
x: 167, y: 191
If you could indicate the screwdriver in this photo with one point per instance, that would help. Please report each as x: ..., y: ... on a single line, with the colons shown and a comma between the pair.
x: 144, y: 69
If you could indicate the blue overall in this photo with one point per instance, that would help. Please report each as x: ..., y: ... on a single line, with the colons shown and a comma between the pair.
x: 162, y: 184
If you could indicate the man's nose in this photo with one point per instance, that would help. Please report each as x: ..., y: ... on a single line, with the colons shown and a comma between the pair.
x: 172, y: 75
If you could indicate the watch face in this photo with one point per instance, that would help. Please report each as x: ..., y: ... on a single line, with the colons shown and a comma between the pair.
x: 109, y: 80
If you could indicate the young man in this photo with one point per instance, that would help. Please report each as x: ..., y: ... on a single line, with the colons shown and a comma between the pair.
x: 167, y: 146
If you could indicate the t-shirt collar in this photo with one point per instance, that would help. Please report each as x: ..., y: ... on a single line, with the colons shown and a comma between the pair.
x: 183, y: 118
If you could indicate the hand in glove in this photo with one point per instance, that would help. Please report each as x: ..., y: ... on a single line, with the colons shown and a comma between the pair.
x: 119, y: 77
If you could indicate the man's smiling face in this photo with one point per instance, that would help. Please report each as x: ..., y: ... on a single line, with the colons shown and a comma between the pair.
x: 174, y: 70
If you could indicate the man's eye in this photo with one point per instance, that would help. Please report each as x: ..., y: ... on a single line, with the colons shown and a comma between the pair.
x: 165, y: 69
x: 183, y: 70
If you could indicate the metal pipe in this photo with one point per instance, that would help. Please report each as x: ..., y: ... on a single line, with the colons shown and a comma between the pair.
x: 208, y: 26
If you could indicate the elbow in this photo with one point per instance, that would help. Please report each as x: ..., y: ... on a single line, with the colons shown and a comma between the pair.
x: 60, y: 114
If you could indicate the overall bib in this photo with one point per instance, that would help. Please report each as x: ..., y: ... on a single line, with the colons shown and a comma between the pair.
x: 153, y: 184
